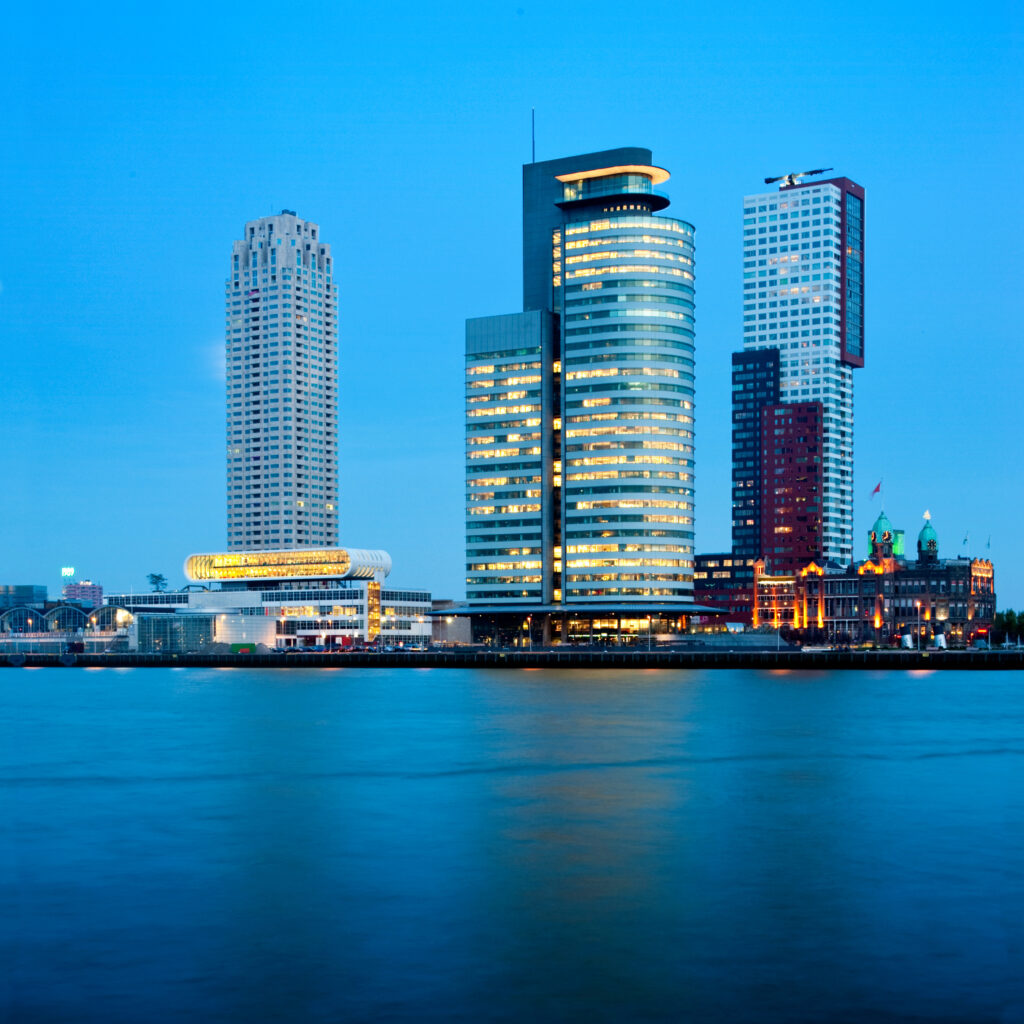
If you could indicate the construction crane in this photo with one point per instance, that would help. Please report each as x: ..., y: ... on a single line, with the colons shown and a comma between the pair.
x: 794, y: 179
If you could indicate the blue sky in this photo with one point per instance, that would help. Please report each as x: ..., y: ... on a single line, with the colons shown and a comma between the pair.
x: 138, y: 140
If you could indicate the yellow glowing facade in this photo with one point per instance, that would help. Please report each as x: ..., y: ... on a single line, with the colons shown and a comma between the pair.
x: 656, y: 175
x: 327, y: 563
x: 627, y: 300
x: 509, y: 461
x: 880, y: 598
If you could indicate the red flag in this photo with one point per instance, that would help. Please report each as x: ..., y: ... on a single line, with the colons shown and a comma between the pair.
x: 878, y: 487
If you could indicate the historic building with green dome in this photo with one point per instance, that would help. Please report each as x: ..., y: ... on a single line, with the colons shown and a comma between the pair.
x: 884, y: 596
x: 928, y: 542
x: 882, y: 533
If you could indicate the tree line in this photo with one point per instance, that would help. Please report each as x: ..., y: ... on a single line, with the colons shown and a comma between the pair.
x: 1008, y: 624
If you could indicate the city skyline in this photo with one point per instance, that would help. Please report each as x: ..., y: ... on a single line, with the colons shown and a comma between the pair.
x: 114, y: 393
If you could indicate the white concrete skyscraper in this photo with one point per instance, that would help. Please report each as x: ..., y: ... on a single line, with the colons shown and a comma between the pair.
x: 281, y: 342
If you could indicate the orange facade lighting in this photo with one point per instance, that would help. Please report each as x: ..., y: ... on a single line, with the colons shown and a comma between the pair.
x: 656, y: 174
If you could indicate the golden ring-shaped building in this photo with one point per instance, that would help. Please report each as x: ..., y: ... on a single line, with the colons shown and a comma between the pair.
x: 325, y: 563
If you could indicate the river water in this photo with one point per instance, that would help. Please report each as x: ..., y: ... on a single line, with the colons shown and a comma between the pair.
x: 510, y: 845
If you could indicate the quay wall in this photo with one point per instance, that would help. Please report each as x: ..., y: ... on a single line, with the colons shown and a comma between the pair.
x: 569, y: 659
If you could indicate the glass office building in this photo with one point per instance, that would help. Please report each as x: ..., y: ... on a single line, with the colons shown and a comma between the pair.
x: 579, y: 410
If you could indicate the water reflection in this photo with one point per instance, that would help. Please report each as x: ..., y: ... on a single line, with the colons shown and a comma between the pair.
x: 504, y: 845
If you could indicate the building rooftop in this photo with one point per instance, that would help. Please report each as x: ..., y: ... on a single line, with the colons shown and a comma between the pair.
x: 330, y: 563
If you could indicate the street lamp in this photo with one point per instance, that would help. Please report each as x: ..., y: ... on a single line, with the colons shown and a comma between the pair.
x: 917, y: 605
x: 648, y: 632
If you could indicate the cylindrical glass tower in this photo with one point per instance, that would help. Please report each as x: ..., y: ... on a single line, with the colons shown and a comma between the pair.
x: 622, y: 279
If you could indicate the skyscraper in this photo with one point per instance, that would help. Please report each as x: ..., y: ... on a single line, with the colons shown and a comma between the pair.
x: 755, y: 384
x: 791, y: 491
x: 803, y: 295
x: 579, y: 410
x: 281, y: 347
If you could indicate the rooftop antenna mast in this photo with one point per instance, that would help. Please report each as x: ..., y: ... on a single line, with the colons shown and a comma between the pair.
x: 788, y: 180
x: 533, y: 135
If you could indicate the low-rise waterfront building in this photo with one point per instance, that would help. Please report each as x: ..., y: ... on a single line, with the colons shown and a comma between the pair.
x: 332, y: 596
x: 53, y: 625
x: 167, y: 633
x: 87, y: 594
x: 21, y: 595
x: 883, y: 596
x: 723, y: 581
x: 449, y: 628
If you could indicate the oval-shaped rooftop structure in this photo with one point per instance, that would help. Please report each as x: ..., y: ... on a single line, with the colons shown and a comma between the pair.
x: 325, y: 563
x: 656, y: 174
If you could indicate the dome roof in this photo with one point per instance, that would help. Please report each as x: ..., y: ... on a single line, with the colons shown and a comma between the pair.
x: 927, y: 534
x: 882, y: 525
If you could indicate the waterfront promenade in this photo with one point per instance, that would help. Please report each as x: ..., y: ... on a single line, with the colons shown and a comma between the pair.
x: 792, y: 659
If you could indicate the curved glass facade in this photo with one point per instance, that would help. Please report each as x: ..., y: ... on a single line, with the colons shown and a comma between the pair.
x: 579, y: 411
x: 628, y: 366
